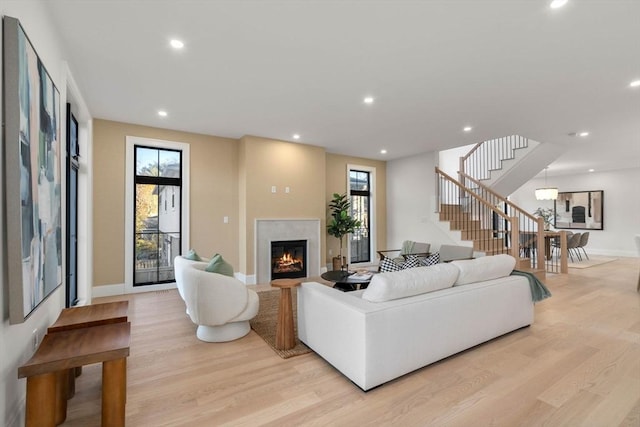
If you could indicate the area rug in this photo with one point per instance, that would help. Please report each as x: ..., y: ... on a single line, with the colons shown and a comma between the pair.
x: 264, y: 324
x: 593, y: 261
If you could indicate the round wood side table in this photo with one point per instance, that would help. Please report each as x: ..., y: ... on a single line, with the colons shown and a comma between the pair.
x: 285, y: 335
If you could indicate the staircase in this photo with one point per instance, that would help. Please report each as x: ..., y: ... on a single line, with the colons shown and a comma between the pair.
x: 493, y: 224
x: 504, y: 164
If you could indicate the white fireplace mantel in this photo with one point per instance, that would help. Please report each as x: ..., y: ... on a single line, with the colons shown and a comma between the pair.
x: 268, y: 230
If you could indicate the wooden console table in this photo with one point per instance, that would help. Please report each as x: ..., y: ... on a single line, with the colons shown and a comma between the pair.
x: 82, y: 317
x: 61, y: 351
x: 285, y: 334
x: 90, y: 315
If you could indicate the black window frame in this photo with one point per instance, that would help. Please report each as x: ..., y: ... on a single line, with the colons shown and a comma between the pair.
x: 159, y: 181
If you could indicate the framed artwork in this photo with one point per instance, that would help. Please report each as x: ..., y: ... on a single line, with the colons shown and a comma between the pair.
x: 580, y: 210
x: 32, y: 174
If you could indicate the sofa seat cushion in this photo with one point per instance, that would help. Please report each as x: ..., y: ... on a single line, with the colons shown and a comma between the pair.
x: 409, y: 282
x: 484, y: 268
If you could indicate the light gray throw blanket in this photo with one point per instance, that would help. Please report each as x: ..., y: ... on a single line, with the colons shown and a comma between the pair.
x: 407, y: 247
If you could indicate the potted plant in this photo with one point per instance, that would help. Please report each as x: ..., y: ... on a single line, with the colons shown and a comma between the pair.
x: 341, y: 223
x: 547, y: 215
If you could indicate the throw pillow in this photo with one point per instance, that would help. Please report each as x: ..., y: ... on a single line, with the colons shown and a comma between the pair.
x: 387, y: 264
x: 193, y: 256
x: 411, y: 261
x: 432, y: 259
x: 219, y: 265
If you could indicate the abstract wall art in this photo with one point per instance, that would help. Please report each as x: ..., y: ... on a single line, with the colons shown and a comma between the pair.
x: 32, y: 174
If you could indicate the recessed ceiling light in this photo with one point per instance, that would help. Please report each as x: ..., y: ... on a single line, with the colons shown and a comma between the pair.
x: 176, y: 44
x: 162, y: 113
x: 383, y: 151
x: 467, y: 128
x: 296, y: 136
x: 592, y: 170
x: 635, y: 83
x: 368, y: 100
x: 583, y: 134
x: 555, y: 4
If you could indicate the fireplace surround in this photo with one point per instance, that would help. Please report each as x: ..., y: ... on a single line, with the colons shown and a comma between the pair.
x: 281, y: 229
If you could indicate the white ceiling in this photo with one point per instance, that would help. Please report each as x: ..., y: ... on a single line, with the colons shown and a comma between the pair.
x: 275, y: 68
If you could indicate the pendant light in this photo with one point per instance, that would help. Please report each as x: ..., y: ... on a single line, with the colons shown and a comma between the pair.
x: 546, y: 193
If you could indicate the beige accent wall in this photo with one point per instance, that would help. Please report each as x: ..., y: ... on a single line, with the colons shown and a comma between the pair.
x: 265, y: 163
x: 337, y: 183
x: 214, y: 194
x: 228, y: 177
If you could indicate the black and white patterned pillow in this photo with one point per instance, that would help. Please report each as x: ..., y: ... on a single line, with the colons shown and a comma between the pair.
x: 432, y: 259
x: 411, y: 261
x: 387, y: 264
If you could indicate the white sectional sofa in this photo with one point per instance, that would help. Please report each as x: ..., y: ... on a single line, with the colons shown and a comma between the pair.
x: 415, y: 323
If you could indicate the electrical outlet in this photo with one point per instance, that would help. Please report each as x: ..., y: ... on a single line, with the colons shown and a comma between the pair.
x: 330, y: 252
x: 273, y: 189
x: 34, y: 339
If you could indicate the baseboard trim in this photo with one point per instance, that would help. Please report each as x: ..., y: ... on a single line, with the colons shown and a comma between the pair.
x: 107, y: 290
x: 246, y: 279
x: 614, y: 253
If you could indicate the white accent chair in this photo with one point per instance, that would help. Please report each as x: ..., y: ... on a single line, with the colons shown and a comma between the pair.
x: 220, y: 305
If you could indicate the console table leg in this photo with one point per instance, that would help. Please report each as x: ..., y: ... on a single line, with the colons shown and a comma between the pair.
x: 114, y: 392
x: 41, y: 403
x: 62, y: 385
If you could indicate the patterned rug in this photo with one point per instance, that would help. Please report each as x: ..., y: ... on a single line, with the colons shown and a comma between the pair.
x: 264, y: 324
x: 593, y: 261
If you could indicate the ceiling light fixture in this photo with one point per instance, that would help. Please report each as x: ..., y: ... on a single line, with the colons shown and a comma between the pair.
x: 467, y: 129
x: 592, y: 170
x: 296, y: 136
x: 546, y: 193
x: 368, y: 100
x: 162, y: 113
x: 176, y: 44
x: 583, y: 134
x: 383, y: 151
x: 556, y: 4
x: 635, y: 83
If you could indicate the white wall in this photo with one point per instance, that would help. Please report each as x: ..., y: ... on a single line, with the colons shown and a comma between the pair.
x: 449, y: 160
x: 411, y: 201
x: 16, y: 347
x: 621, y: 206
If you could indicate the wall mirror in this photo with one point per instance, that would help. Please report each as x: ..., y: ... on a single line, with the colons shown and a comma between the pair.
x: 579, y: 209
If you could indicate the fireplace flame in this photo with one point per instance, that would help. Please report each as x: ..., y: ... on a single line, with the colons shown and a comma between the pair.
x: 288, y: 263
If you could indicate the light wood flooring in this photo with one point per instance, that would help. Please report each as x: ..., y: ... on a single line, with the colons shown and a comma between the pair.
x: 577, y: 365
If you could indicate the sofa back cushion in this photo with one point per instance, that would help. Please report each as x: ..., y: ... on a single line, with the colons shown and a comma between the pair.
x: 484, y: 268
x: 410, y: 282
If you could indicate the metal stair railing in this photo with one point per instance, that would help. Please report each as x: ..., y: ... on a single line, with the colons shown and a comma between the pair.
x: 488, y: 155
x: 532, y: 234
x: 491, y: 230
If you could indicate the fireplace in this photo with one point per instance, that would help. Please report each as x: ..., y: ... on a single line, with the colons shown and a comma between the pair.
x: 288, y: 259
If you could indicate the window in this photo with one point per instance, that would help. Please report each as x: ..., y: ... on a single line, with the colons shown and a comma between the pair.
x: 360, y: 192
x: 73, y: 168
x: 157, y: 236
x: 152, y: 166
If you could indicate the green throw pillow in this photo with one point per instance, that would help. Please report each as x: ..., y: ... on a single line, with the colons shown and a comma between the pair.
x: 220, y: 266
x: 193, y: 256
